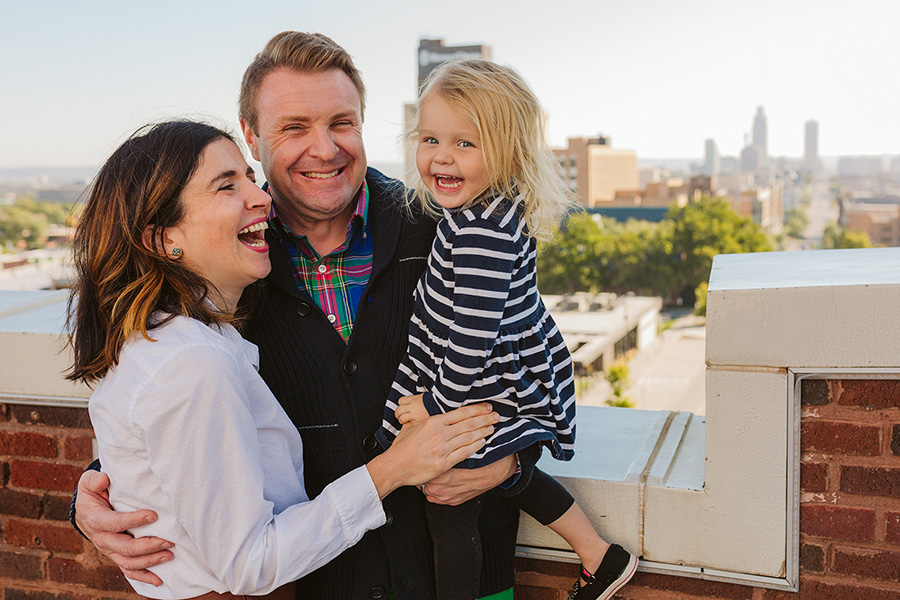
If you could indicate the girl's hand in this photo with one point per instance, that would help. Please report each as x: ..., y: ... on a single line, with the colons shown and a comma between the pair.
x: 424, y: 450
x: 411, y: 409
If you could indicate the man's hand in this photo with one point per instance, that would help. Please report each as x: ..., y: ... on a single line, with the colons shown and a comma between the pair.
x: 105, y: 528
x: 458, y: 485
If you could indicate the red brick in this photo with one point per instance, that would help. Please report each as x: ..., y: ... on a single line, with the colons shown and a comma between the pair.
x: 870, y: 564
x: 79, y: 448
x: 851, y: 524
x: 691, y: 586
x: 814, y: 392
x: 31, y: 534
x: 821, y: 590
x: 892, y: 527
x: 20, y: 566
x: 870, y: 393
x: 56, y: 508
x: 871, y: 481
x: 834, y: 437
x: 103, y: 577
x: 812, y: 558
x: 52, y: 416
x: 45, y: 476
x: 813, y: 477
x: 25, y: 443
x: 19, y: 504
x: 895, y: 440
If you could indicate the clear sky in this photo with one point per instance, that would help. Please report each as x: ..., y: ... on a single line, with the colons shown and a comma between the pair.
x: 658, y: 76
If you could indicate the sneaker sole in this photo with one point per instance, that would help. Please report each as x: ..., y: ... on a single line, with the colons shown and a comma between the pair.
x: 624, y: 578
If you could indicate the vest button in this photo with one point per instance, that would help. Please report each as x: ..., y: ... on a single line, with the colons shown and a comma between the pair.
x: 377, y: 592
x: 369, y: 442
x: 303, y: 309
x: 350, y: 367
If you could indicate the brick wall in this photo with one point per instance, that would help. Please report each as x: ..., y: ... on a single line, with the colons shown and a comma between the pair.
x: 43, y: 451
x: 849, y: 508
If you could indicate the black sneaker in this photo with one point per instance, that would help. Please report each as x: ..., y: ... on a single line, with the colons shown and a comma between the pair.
x: 616, y: 570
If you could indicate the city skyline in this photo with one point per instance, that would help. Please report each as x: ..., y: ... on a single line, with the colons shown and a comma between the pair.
x: 656, y: 77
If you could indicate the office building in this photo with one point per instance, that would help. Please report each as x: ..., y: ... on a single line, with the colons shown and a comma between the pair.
x: 711, y: 159
x: 595, y: 171
x: 811, y: 146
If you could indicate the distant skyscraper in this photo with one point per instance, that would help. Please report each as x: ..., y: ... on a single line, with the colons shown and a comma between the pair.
x: 711, y: 159
x: 811, y: 146
x: 749, y: 159
x: 433, y: 53
x: 761, y: 138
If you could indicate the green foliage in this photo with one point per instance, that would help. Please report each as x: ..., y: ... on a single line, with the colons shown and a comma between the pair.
x: 617, y: 376
x: 795, y: 222
x: 706, y: 228
x: 27, y: 221
x: 700, y: 303
x: 835, y: 237
x: 575, y: 260
x: 668, y: 259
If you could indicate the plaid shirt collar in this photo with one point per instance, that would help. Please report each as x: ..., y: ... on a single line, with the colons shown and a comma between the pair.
x: 357, y: 223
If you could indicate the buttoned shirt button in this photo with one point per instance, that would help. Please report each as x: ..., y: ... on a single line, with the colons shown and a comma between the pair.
x: 388, y: 517
x: 303, y: 309
x: 377, y: 592
x: 350, y: 367
x: 332, y: 318
x: 369, y: 442
x: 322, y: 268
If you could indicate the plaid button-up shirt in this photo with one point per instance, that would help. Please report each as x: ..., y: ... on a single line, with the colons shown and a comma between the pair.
x: 337, y: 280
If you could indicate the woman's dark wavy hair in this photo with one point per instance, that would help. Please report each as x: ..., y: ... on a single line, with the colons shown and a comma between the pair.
x: 121, y: 282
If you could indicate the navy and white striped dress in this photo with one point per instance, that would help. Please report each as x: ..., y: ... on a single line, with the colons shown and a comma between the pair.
x: 480, y: 331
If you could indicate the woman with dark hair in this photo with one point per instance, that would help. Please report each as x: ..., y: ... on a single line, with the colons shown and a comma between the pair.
x: 171, y: 236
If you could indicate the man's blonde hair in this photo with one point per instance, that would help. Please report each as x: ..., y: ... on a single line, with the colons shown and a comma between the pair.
x: 510, y: 122
x: 295, y: 51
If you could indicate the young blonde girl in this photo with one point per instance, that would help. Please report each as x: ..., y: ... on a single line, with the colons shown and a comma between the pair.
x: 479, y: 330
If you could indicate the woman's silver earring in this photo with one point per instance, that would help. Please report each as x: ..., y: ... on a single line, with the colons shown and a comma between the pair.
x: 176, y: 252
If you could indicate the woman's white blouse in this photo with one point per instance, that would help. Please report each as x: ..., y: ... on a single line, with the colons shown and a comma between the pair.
x: 186, y: 427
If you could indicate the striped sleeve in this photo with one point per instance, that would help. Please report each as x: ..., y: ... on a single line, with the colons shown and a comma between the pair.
x: 483, y: 259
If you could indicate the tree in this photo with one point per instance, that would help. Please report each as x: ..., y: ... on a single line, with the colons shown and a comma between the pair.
x: 702, y: 229
x: 617, y: 376
x: 576, y: 259
x: 670, y: 258
x: 642, y: 260
x: 835, y: 237
x: 26, y: 221
x: 795, y: 222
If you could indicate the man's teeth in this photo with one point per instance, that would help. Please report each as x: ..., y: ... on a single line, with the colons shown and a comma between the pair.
x: 322, y: 175
x: 261, y: 226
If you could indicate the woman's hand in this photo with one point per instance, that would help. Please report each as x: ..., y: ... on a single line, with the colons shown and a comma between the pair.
x: 424, y: 450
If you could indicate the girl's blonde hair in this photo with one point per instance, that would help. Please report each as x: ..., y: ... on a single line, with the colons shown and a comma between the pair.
x: 510, y: 122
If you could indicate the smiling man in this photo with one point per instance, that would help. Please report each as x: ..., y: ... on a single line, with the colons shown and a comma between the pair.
x: 332, y: 326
